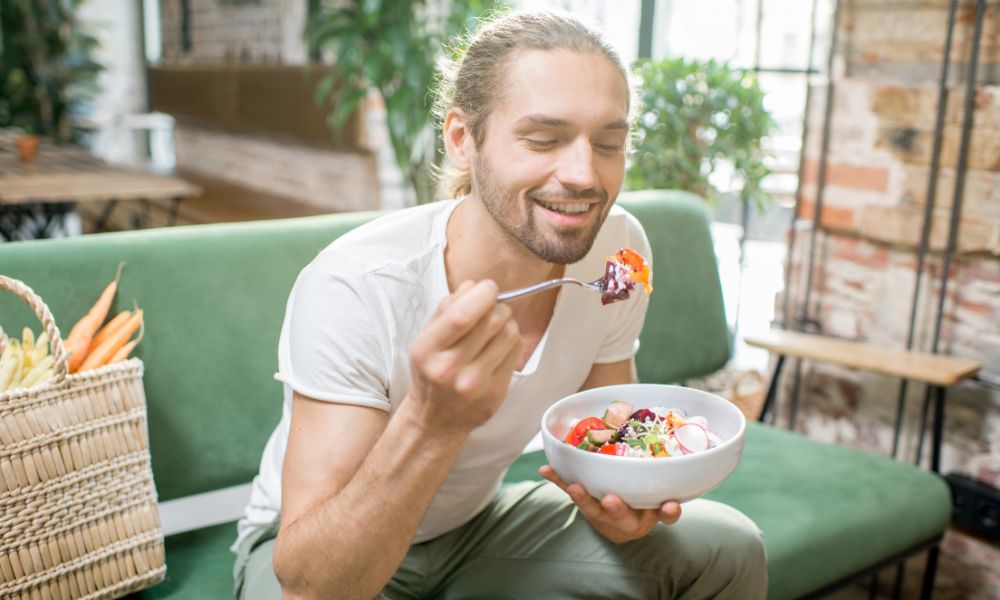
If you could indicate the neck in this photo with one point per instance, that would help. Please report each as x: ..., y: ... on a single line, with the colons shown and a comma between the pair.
x: 478, y: 248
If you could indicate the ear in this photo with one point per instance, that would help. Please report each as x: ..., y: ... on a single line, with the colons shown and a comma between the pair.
x: 458, y: 141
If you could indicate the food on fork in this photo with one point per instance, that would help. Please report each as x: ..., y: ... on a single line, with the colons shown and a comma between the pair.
x: 624, y: 269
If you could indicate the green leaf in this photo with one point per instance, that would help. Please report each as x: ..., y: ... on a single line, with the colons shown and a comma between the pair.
x: 345, y: 107
x: 390, y: 47
x: 697, y: 114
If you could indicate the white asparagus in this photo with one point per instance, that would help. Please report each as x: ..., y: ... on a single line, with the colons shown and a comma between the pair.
x: 28, y: 344
x: 10, y: 364
x: 41, y: 347
x: 39, y: 373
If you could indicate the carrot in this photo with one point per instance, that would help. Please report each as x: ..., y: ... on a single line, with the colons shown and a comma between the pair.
x: 100, y: 355
x: 109, y: 328
x: 78, y: 341
x: 125, y: 350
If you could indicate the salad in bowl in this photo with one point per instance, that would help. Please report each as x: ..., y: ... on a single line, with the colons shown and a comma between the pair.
x: 652, y: 443
x: 657, y: 432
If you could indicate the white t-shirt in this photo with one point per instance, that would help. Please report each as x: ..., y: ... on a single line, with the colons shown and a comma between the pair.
x: 352, y: 316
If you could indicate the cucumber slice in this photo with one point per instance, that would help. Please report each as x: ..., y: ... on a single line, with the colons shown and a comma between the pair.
x: 599, y: 437
x: 617, y: 413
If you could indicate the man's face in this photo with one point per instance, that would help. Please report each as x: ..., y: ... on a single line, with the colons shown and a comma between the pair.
x: 553, y: 160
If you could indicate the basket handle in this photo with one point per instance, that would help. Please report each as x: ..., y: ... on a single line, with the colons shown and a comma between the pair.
x: 22, y: 291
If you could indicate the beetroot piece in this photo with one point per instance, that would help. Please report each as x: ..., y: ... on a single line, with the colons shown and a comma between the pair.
x: 642, y: 414
x: 615, y: 285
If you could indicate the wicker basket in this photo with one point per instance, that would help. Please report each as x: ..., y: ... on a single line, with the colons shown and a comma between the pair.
x: 747, y: 392
x: 78, y: 516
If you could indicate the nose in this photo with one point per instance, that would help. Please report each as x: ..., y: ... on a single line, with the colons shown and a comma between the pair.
x: 576, y: 166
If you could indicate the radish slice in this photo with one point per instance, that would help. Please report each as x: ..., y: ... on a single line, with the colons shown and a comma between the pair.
x: 692, y: 438
x: 702, y: 421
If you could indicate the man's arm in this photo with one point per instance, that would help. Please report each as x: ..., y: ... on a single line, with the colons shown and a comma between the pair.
x: 355, y: 486
x: 614, y: 373
x: 356, y: 483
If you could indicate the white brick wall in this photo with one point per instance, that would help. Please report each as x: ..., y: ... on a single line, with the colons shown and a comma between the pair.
x: 116, y: 25
x: 268, y: 31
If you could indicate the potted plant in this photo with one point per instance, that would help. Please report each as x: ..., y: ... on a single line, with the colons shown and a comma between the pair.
x: 47, y: 73
x: 697, y: 116
x: 27, y: 144
x: 390, y: 48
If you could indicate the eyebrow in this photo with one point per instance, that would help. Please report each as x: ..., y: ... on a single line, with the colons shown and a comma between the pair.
x: 547, y: 121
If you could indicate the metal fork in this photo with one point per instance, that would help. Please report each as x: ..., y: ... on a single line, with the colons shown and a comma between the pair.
x: 551, y: 283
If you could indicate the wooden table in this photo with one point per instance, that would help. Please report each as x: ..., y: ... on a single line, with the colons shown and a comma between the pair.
x: 63, y: 175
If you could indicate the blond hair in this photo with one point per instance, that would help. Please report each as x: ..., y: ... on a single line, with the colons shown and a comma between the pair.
x: 473, y: 79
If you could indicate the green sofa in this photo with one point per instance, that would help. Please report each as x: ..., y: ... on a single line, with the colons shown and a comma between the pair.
x: 214, y: 296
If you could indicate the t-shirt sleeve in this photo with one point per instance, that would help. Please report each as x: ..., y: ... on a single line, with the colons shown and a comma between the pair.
x: 332, y: 345
x: 621, y: 337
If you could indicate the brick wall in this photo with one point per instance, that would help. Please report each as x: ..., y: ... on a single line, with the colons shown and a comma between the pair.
x: 270, y: 31
x: 876, y: 186
x: 122, y: 82
x: 225, y: 30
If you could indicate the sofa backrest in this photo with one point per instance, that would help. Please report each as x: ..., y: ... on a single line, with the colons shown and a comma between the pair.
x: 685, y: 334
x: 214, y: 297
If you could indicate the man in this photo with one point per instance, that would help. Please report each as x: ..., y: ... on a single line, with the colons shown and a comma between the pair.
x: 409, y: 389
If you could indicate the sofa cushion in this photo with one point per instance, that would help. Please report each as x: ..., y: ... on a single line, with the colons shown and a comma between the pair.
x: 199, y: 566
x: 822, y: 507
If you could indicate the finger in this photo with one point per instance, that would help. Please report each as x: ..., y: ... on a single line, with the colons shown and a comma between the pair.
x: 462, y: 315
x: 670, y: 512
x: 624, y: 516
x: 489, y: 329
x: 547, y: 472
x: 648, y: 519
x: 450, y: 298
x: 589, y: 506
x: 499, y: 349
x: 480, y: 374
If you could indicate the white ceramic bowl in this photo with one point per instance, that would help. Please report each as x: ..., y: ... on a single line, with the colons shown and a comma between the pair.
x: 644, y: 482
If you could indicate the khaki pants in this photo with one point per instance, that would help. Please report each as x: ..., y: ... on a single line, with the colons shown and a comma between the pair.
x: 532, y: 543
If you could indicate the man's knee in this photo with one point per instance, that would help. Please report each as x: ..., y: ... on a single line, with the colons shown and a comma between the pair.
x: 741, y: 561
x: 714, y: 551
x: 746, y: 545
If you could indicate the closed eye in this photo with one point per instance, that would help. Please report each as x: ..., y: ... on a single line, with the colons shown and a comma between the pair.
x: 541, y: 143
x: 609, y: 147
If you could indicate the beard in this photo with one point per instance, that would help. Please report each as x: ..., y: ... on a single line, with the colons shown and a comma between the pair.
x: 560, y: 246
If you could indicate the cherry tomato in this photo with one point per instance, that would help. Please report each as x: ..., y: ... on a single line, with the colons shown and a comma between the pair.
x: 576, y: 436
x: 631, y: 258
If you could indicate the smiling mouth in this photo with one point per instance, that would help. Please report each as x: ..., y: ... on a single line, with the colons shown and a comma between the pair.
x: 566, y: 208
